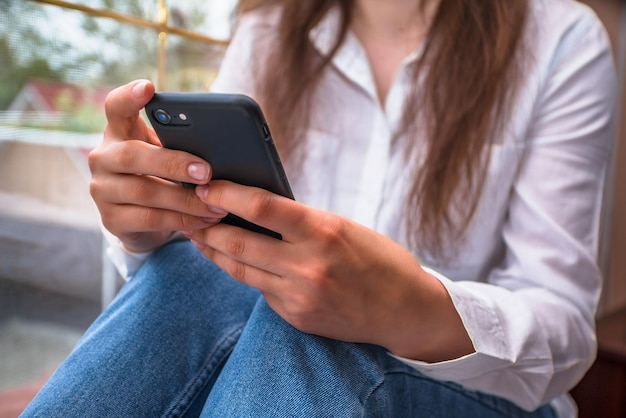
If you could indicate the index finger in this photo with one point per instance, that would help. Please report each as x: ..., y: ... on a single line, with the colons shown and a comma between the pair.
x: 122, y: 107
x: 266, y: 209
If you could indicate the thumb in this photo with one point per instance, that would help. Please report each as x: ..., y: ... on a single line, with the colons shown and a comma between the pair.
x: 123, y: 104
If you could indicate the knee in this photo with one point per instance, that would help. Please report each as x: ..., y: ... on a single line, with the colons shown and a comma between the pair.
x: 176, y: 264
x: 179, y: 273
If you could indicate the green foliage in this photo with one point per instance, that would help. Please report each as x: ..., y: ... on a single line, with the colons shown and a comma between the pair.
x: 85, y: 119
x: 47, y: 42
x: 20, y: 60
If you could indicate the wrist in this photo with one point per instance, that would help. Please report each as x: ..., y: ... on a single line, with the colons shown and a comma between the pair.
x: 141, y: 243
x: 430, y: 328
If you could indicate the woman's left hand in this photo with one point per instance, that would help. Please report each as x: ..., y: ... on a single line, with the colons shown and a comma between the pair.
x: 332, y: 277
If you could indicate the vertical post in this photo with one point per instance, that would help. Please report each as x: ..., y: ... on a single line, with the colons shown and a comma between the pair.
x: 607, y: 236
x: 109, y: 278
x: 163, y: 17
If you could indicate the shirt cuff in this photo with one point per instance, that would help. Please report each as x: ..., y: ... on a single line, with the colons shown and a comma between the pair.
x: 462, y: 367
x: 499, y: 356
x: 126, y: 262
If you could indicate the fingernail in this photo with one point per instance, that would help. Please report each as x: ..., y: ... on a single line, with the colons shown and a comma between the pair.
x: 198, y: 171
x: 139, y: 89
x: 188, y: 234
x: 202, y: 191
x: 211, y: 221
x: 217, y: 211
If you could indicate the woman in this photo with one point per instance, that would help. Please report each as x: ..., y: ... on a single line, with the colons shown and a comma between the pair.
x: 448, y: 162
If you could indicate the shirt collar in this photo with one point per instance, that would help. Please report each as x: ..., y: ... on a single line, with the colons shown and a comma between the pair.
x: 350, y: 59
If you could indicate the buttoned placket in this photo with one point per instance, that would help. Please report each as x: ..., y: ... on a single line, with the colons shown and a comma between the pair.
x: 351, y: 60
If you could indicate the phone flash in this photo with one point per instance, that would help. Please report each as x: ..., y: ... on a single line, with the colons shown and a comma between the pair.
x: 182, y: 117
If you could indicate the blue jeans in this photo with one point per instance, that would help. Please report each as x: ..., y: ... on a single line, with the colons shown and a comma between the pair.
x: 183, y: 339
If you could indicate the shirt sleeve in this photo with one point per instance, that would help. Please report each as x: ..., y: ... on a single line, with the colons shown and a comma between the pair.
x: 248, y: 49
x: 532, y: 320
x: 125, y: 262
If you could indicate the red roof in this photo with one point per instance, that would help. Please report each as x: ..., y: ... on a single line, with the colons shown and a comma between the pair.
x: 55, y: 95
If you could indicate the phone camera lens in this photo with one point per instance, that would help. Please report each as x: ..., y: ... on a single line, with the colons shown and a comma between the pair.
x: 162, y: 116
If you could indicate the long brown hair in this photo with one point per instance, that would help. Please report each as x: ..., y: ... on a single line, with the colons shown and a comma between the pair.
x: 469, y: 71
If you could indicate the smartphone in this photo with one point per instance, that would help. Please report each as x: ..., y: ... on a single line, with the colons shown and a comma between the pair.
x: 228, y: 131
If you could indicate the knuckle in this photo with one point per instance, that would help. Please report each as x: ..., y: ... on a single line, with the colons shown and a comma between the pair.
x: 108, y: 217
x: 150, y: 219
x: 184, y: 221
x: 332, y: 230
x: 190, y: 201
x: 95, y: 189
x: 124, y: 156
x: 174, y: 167
x: 140, y: 192
x: 236, y: 246
x: 261, y: 205
x: 94, y: 158
x: 318, y: 273
x: 105, y: 216
x: 239, y: 272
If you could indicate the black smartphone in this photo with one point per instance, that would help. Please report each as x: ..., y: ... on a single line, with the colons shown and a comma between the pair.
x: 228, y: 131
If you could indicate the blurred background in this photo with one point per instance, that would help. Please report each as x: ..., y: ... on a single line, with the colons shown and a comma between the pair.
x: 58, y: 60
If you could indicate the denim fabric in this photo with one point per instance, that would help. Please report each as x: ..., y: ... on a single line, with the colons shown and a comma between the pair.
x: 183, y: 339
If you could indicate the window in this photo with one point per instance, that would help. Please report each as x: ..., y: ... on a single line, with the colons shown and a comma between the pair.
x: 58, y: 60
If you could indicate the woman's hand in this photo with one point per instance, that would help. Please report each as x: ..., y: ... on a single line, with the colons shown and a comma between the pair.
x: 135, y: 180
x: 332, y: 277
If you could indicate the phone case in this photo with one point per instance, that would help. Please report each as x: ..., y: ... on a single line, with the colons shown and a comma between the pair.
x: 229, y: 132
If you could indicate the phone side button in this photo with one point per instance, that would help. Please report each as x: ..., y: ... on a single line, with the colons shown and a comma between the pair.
x: 266, y: 131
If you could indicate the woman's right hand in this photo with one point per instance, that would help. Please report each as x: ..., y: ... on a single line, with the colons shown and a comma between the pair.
x: 136, y: 182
